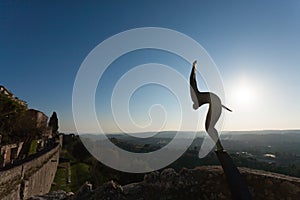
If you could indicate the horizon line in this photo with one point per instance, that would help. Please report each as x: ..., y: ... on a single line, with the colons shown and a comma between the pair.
x: 112, y: 133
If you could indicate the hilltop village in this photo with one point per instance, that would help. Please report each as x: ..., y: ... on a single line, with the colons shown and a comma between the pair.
x: 29, y: 148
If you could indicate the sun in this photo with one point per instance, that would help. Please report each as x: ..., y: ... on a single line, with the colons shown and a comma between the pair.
x: 243, y: 95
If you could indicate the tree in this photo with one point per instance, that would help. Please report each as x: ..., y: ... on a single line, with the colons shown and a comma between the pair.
x: 53, y: 122
x: 10, y: 111
x: 29, y: 126
x: 79, y: 151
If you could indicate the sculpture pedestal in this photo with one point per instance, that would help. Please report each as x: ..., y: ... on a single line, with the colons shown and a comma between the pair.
x: 238, y: 187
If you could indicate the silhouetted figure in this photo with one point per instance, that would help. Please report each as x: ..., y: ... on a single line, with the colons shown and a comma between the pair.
x: 215, y: 107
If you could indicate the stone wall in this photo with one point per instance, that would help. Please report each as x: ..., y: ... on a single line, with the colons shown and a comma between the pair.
x: 32, y: 177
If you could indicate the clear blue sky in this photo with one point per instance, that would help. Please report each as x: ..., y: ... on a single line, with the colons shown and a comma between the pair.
x: 255, y: 44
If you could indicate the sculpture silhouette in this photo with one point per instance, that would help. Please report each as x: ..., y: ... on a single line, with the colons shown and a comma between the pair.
x: 237, y: 184
x: 238, y: 187
x: 215, y: 107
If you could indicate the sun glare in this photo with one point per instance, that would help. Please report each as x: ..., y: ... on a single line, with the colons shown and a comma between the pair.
x: 243, y: 95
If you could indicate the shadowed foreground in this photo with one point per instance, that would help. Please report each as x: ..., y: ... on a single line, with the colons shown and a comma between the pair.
x: 238, y: 187
x: 206, y: 182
